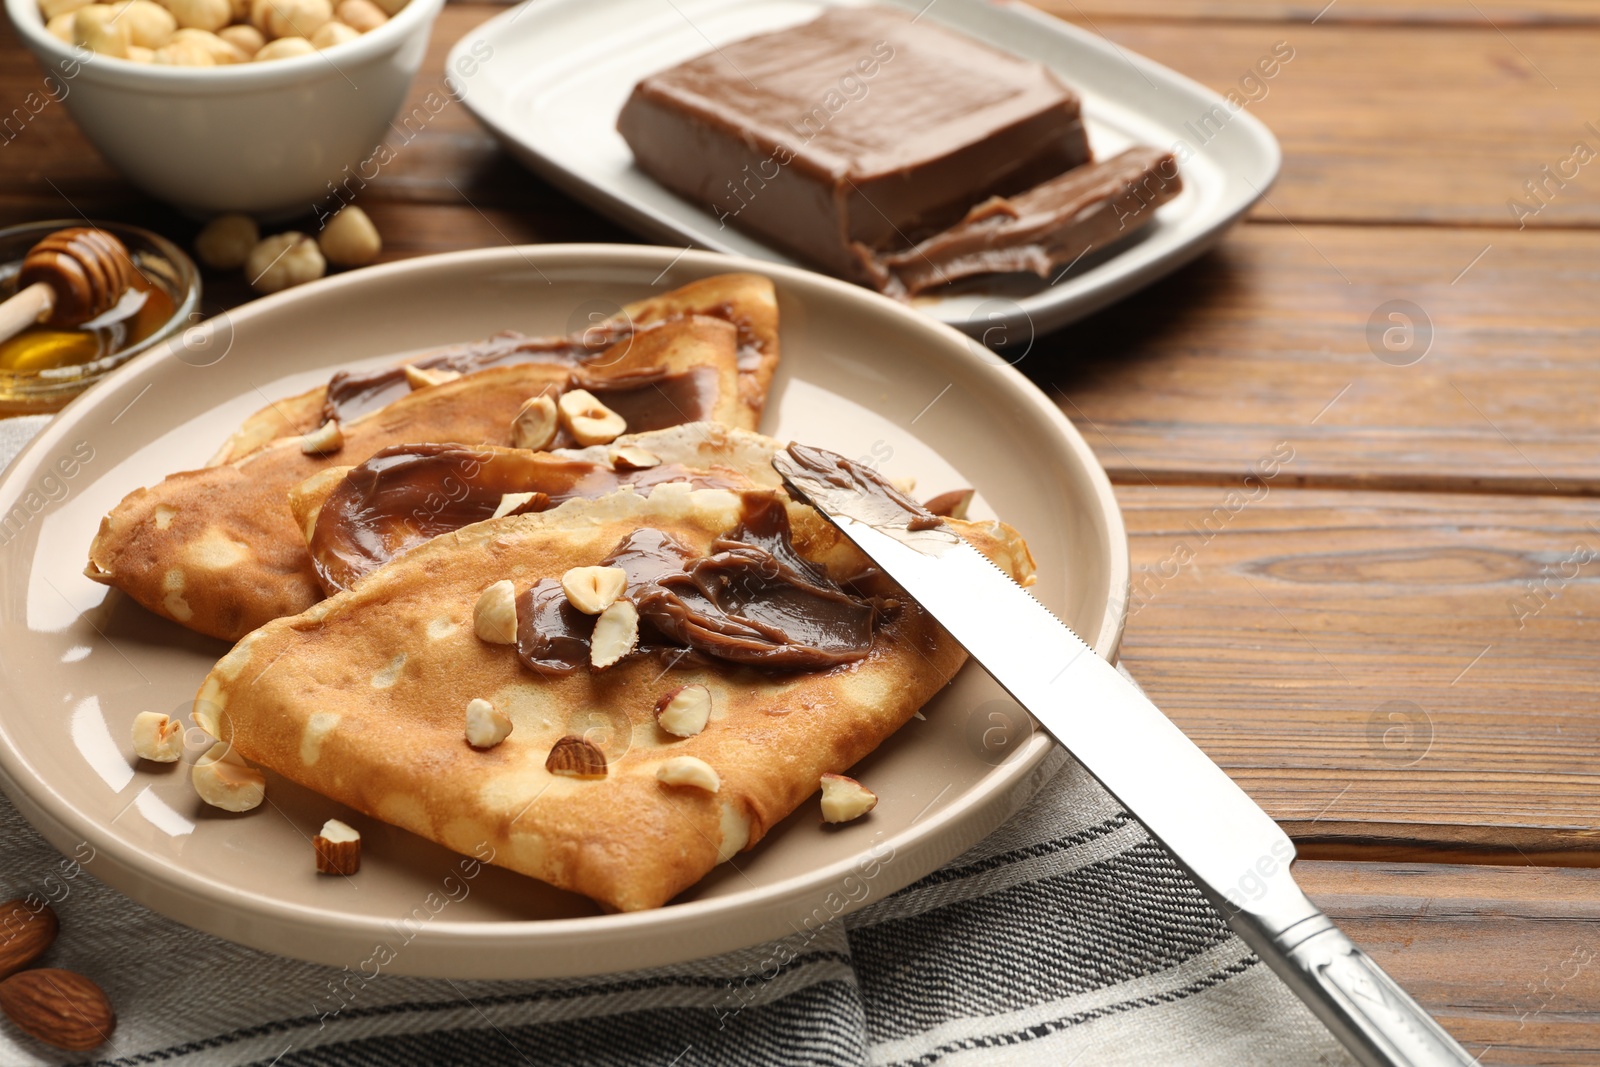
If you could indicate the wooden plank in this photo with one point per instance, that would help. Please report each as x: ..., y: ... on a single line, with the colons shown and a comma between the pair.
x: 1501, y: 13
x: 1410, y: 669
x: 1437, y: 124
x: 1505, y: 958
x: 1267, y: 339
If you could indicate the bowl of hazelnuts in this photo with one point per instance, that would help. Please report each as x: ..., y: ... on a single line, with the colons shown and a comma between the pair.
x: 257, y: 106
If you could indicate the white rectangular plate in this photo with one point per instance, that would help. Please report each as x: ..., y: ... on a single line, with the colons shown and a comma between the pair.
x: 549, y: 77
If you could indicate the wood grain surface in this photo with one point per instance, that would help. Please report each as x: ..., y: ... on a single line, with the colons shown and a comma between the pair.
x: 1391, y: 642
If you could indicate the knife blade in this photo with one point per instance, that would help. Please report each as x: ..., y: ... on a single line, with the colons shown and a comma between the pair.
x: 1236, y: 854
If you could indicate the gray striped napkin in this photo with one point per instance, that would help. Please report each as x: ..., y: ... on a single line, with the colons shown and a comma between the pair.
x: 1067, y: 937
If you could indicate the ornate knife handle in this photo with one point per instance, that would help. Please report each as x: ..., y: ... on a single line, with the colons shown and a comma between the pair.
x: 1377, y: 1020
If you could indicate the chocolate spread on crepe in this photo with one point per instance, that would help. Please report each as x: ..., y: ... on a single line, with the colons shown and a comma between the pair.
x: 753, y: 600
x: 408, y: 494
x: 1042, y: 230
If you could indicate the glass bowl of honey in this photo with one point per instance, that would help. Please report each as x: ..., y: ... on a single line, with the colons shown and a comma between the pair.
x: 43, y: 367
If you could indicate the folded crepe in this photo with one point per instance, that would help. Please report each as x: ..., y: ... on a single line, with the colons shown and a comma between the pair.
x: 745, y: 300
x: 811, y: 658
x: 218, y: 549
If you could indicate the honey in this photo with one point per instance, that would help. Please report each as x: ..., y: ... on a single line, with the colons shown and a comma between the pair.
x: 144, y: 309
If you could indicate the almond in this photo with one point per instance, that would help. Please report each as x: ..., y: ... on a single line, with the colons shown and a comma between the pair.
x: 845, y: 798
x: 573, y: 757
x: 951, y: 505
x: 422, y: 377
x: 593, y: 589
x: 58, y: 1007
x: 685, y: 711
x: 691, y: 771
x: 588, y: 420
x: 534, y: 425
x: 157, y: 737
x: 487, y: 725
x: 616, y: 631
x: 495, y: 616
x: 25, y: 933
x: 338, y: 848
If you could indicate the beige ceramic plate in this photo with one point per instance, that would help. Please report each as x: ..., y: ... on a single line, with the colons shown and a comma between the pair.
x: 860, y: 375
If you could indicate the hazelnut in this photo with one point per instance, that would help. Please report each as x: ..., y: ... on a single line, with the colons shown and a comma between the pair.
x: 685, y: 711
x: 574, y: 757
x: 324, y: 440
x: 284, y: 259
x: 487, y: 726
x: 224, y: 780
x: 422, y: 377
x: 845, y: 798
x: 633, y: 458
x: 60, y: 27
x: 616, y: 631
x: 184, y: 54
x: 289, y: 18
x: 495, y: 616
x: 225, y: 242
x: 534, y: 425
x: 391, y: 7
x: 593, y: 589
x: 951, y: 505
x: 285, y: 48
x: 201, y: 14
x: 690, y: 771
x: 350, y: 239
x: 149, y: 24
x: 363, y: 15
x: 510, y: 502
x: 222, y: 52
x: 97, y: 27
x: 588, y: 420
x: 331, y: 33
x: 338, y: 848
x: 54, y: 9
x: 246, y: 39
x: 157, y: 737
x: 140, y: 55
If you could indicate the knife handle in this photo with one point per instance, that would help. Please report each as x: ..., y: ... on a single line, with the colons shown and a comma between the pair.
x: 1374, y: 1018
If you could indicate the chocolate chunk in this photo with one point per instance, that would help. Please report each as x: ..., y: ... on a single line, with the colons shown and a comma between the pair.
x: 862, y: 126
x: 1042, y: 230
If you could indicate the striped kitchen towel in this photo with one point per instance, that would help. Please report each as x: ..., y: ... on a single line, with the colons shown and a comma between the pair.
x: 1067, y: 937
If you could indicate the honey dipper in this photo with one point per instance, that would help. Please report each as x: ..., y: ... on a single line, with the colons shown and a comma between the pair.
x: 68, y: 278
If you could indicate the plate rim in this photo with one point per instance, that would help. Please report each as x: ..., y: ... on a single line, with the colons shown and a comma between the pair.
x: 1041, y: 315
x: 166, y: 887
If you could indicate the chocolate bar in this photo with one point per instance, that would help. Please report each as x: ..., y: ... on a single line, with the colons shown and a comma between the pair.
x: 1050, y: 226
x: 863, y: 127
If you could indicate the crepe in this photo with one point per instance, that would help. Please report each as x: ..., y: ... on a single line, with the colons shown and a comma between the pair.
x: 362, y: 699
x: 745, y: 300
x: 218, y: 549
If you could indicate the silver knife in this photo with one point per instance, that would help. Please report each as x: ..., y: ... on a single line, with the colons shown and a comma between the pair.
x: 1234, y: 852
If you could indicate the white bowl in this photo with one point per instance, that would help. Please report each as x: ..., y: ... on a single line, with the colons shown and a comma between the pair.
x: 271, y: 139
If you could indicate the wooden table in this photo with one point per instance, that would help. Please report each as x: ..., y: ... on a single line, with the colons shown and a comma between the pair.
x: 1393, y: 644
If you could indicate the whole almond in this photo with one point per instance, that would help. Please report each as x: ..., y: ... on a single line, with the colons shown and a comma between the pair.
x: 25, y: 933
x: 60, y: 1008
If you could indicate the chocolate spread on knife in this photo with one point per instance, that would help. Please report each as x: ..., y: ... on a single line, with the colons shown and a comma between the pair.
x: 1042, y: 230
x: 408, y: 494
x: 753, y: 601
x: 352, y: 394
